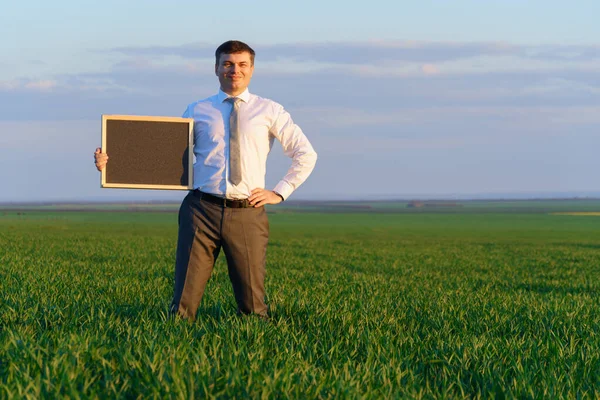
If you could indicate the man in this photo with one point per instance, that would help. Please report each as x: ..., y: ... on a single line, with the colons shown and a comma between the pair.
x: 234, y: 132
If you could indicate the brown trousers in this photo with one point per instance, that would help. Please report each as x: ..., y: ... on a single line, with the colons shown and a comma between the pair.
x: 204, y: 228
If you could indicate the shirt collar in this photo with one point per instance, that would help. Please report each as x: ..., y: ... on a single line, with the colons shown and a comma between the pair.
x: 245, y: 96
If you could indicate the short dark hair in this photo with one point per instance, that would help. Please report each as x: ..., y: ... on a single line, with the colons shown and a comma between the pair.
x: 232, y: 47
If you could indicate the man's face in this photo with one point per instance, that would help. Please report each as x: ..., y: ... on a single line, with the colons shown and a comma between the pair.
x: 234, y: 72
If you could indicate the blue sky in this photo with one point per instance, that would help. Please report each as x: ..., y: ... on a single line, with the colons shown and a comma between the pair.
x: 400, y: 99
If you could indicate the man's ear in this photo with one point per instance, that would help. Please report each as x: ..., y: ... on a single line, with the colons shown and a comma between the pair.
x: 216, y: 67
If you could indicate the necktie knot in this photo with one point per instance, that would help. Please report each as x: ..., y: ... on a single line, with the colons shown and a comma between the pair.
x: 233, y: 100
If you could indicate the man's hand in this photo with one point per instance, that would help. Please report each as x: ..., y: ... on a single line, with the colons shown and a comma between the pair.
x: 259, y: 197
x: 100, y: 158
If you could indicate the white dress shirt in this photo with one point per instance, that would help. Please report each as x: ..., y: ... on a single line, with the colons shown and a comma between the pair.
x: 260, y: 122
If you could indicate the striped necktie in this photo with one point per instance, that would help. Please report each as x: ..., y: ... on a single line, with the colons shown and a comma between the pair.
x: 235, y: 164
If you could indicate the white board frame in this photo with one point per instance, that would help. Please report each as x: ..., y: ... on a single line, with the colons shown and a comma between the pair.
x: 105, y: 149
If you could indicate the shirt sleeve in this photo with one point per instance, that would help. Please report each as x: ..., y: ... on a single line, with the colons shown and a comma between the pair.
x: 296, y: 146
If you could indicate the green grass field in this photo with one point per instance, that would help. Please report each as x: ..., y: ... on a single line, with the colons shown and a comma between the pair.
x: 365, y: 305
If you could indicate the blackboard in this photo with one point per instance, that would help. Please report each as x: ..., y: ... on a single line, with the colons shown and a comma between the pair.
x: 147, y: 152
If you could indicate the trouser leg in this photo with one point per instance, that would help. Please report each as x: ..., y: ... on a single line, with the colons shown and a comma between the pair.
x: 198, y: 246
x: 245, y: 235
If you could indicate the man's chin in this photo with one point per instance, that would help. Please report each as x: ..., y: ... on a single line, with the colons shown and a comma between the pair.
x: 238, y: 86
x: 234, y: 87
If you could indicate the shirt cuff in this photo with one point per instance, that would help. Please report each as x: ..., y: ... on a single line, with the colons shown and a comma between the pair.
x: 284, y: 189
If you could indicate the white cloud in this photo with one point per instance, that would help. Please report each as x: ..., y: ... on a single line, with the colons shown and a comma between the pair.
x: 379, y: 51
x: 384, y: 146
x: 340, y: 117
x: 339, y: 52
x: 531, y: 121
x: 562, y: 87
x: 430, y: 69
x: 41, y: 85
x: 9, y: 85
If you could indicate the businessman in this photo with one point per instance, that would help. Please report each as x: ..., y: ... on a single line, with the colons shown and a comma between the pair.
x: 234, y: 131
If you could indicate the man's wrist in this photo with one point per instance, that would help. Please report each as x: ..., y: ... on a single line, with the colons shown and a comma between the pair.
x: 282, y: 199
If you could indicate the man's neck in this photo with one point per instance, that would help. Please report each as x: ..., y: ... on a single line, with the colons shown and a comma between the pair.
x: 233, y: 93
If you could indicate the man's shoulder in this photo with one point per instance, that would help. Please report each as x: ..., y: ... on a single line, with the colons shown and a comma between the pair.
x: 199, y: 107
x: 207, y: 100
x: 272, y: 104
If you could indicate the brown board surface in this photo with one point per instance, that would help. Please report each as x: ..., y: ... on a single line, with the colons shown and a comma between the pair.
x: 147, y: 152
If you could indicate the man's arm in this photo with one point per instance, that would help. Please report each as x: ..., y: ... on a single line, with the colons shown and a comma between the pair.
x: 296, y: 146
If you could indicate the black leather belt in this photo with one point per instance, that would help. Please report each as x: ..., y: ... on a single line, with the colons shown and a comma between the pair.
x: 220, y: 201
